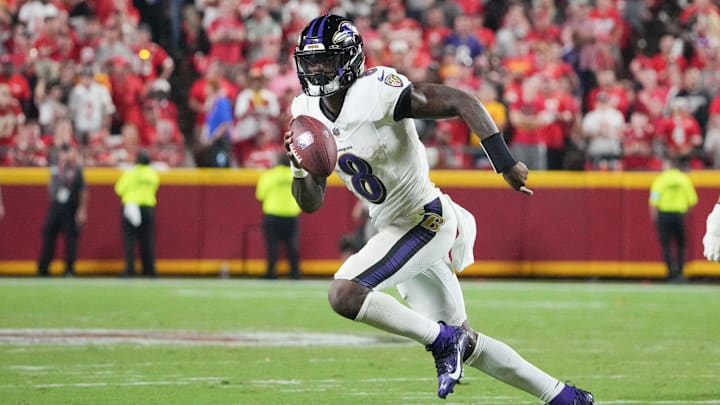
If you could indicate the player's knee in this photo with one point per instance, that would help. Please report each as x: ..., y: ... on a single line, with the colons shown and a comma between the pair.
x: 346, y: 297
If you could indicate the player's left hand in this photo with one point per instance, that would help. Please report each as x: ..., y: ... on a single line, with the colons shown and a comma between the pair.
x: 711, y: 240
x: 516, y: 177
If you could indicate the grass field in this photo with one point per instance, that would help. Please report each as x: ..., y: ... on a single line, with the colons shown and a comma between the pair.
x: 189, y: 341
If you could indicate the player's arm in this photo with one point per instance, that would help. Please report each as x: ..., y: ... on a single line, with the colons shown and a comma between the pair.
x: 711, y: 240
x: 308, y: 190
x: 433, y: 101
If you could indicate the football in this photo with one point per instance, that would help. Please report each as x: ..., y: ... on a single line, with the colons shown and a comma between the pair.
x: 313, y: 145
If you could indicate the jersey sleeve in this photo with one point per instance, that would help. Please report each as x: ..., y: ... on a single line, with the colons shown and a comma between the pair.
x: 390, y: 86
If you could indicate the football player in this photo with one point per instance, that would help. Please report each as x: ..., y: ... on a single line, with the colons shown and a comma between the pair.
x: 711, y: 240
x: 423, y: 236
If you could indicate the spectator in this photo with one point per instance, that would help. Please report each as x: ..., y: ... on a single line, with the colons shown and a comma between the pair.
x: 227, y: 36
x: 16, y: 82
x: 169, y: 147
x: 281, y: 221
x: 608, y: 85
x: 198, y: 94
x: 712, y: 137
x: 259, y: 28
x: 215, y: 138
x: 435, y: 31
x: 50, y: 105
x: 254, y: 106
x: 639, y: 144
x: 137, y: 189
x: 154, y: 61
x: 91, y: 107
x: 603, y: 129
x: 681, y: 134
x: 126, y: 153
x: 28, y: 148
x: 651, y: 97
x: 463, y: 41
x: 711, y: 146
x: 696, y: 96
x: 513, y: 31
x: 12, y: 117
x: 112, y: 45
x: 672, y: 195
x: 266, y: 149
x: 128, y: 95
x: 556, y: 117
x: 67, y: 212
x: 528, y: 142
x: 61, y: 134
x: 34, y: 12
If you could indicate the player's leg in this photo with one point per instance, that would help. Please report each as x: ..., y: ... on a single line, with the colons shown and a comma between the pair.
x: 292, y: 243
x: 680, y: 238
x: 72, y: 234
x: 665, y: 236
x: 395, y: 254
x: 49, y: 238
x: 437, y: 294
x: 146, y: 239
x: 272, y: 242
x: 129, y: 238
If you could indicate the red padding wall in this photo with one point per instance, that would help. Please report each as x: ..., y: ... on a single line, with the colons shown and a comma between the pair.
x: 573, y: 218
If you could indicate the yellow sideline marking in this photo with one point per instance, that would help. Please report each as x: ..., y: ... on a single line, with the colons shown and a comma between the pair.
x: 256, y: 267
x: 443, y: 178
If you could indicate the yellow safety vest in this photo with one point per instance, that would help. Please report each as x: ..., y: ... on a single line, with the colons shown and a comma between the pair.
x: 138, y: 186
x: 274, y: 190
x: 673, y: 191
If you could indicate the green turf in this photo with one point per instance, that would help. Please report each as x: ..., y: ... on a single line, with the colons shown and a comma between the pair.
x: 628, y: 343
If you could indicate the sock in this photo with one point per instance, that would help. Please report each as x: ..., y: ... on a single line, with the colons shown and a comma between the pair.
x: 505, y: 364
x: 384, y: 312
x: 565, y: 397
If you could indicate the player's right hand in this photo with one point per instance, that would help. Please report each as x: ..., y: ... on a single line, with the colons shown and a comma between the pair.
x: 289, y: 149
x: 516, y: 177
x: 711, y: 240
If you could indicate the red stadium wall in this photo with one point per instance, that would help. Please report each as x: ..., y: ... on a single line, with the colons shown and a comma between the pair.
x: 576, y: 224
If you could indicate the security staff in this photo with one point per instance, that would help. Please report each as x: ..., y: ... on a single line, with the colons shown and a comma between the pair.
x: 67, y: 212
x: 672, y: 194
x: 137, y: 188
x: 280, y: 216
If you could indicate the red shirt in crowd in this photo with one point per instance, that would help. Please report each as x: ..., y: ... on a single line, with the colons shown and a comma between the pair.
x: 638, y: 151
x: 559, y: 108
x: 10, y: 117
x: 681, y: 133
x: 223, y: 49
x: 151, y: 57
x: 19, y: 87
x: 617, y: 95
x: 198, y: 94
x: 528, y: 134
x: 128, y: 95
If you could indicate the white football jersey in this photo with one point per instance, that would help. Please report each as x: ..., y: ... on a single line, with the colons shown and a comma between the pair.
x: 382, y: 161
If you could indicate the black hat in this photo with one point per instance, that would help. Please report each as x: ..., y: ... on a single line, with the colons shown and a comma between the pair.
x: 143, y: 157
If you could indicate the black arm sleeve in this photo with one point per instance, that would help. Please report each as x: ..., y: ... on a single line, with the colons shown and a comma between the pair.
x: 402, y: 108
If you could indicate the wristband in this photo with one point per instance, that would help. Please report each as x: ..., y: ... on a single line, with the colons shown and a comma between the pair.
x: 498, y: 153
x: 298, y: 172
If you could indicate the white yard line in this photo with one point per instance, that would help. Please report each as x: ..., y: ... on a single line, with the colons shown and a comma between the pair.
x: 75, y: 337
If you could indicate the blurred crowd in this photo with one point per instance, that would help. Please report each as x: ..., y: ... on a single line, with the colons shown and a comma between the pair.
x: 573, y: 84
